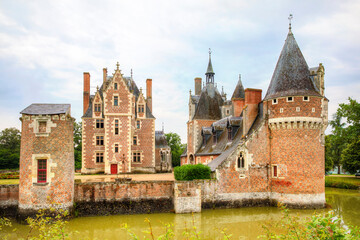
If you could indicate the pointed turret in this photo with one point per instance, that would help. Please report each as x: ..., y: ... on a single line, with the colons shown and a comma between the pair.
x: 210, y: 72
x: 291, y: 75
x: 239, y: 91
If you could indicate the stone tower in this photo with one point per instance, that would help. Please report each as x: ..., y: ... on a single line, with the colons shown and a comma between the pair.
x: 46, y: 158
x: 297, y: 118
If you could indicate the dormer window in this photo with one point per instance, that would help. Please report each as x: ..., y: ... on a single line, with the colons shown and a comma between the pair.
x: 116, y: 101
x: 97, y: 107
x: 230, y: 134
x: 141, y: 108
x: 115, y: 86
x: 274, y: 101
x: 289, y: 99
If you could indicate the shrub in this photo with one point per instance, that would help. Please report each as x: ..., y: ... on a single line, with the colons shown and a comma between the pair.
x: 191, y: 172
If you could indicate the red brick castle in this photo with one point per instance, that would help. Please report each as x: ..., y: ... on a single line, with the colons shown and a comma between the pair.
x: 119, y: 128
x: 270, y: 148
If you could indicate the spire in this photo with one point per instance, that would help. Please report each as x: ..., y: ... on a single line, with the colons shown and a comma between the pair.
x: 290, y: 17
x: 239, y: 91
x: 291, y: 76
x: 210, y: 72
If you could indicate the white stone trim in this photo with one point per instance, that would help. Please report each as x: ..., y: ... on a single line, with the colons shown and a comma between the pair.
x: 35, y: 125
x: 292, y: 99
x: 302, y: 199
x: 34, y: 167
x: 308, y: 98
x: 275, y: 101
x: 295, y: 123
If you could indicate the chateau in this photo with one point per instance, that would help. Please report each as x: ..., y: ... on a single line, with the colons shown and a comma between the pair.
x: 263, y: 148
x: 118, y: 128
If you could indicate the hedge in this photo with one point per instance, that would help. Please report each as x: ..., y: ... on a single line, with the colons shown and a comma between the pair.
x: 191, y: 172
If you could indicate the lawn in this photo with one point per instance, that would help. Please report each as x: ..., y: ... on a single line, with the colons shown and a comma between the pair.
x: 346, y: 182
x: 9, y: 181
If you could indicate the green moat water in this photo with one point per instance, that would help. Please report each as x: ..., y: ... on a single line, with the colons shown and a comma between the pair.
x: 242, y: 223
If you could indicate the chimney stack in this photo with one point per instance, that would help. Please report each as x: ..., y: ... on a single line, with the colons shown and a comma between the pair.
x: 86, y: 91
x: 104, y: 74
x: 197, y: 86
x: 252, y: 100
x: 149, y: 93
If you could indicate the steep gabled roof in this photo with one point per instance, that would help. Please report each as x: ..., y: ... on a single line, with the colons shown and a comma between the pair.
x: 291, y: 75
x: 239, y: 91
x: 209, y: 104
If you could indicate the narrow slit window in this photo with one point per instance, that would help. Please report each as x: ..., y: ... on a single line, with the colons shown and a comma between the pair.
x: 116, y: 127
x: 116, y: 148
x: 241, y: 161
x: 275, y: 171
x: 274, y: 101
x: 116, y: 100
x: 138, y: 124
x: 135, y: 140
x: 115, y: 86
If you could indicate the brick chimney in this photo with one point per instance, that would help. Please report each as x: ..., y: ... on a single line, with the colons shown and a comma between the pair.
x: 252, y: 100
x: 149, y: 93
x: 86, y: 91
x: 198, y: 86
x: 104, y: 74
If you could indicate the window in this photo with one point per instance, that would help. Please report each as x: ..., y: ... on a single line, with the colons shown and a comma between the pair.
x: 281, y: 110
x: 136, y: 157
x: 116, y: 127
x: 97, y: 107
x: 229, y: 133
x: 138, y: 124
x: 162, y: 156
x: 99, y: 140
x: 298, y: 109
x: 99, y: 157
x: 274, y: 101
x: 141, y: 108
x: 241, y: 161
x: 313, y: 109
x: 135, y: 140
x: 289, y: 99
x: 42, y: 127
x: 116, y: 100
x: 306, y: 98
x: 99, y: 123
x: 275, y: 171
x: 116, y: 148
x: 41, y: 170
x: 115, y: 86
x: 227, y: 111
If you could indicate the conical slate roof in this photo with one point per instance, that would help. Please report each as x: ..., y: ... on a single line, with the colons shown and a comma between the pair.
x: 291, y: 76
x: 209, y: 104
x: 210, y: 67
x: 239, y: 91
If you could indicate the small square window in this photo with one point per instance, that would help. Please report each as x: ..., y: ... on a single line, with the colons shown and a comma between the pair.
x: 290, y: 99
x: 116, y: 148
x: 306, y: 98
x: 99, y: 123
x: 42, y: 127
x: 97, y: 107
x: 141, y: 108
x: 116, y: 100
x: 274, y: 101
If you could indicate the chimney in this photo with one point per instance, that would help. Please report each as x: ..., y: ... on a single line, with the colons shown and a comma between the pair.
x: 238, y: 106
x: 198, y: 86
x: 149, y: 93
x: 86, y: 91
x: 252, y: 100
x: 104, y: 74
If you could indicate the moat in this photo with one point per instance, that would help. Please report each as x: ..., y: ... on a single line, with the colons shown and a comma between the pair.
x: 242, y: 223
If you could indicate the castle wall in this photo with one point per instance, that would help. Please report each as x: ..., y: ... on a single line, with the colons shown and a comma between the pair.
x: 55, y: 145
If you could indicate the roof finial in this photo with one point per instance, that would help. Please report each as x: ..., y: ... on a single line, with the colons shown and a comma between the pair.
x: 131, y: 72
x: 290, y: 17
x: 163, y: 127
x: 239, y: 77
x: 117, y: 66
x: 209, y: 52
x: 97, y: 88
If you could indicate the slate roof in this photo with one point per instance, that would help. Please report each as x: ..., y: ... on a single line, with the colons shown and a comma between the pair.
x: 160, y: 140
x: 291, y: 76
x: 209, y: 104
x: 239, y: 91
x: 132, y: 88
x: 46, y: 109
x: 210, y: 67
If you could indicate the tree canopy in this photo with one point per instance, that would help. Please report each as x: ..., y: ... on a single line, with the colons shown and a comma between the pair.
x: 10, y: 139
x: 177, y: 148
x: 77, y: 144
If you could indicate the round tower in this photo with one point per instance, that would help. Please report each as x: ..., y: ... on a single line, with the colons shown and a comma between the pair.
x: 296, y: 112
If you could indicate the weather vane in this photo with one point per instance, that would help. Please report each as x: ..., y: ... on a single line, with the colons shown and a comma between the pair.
x: 117, y: 66
x: 290, y: 17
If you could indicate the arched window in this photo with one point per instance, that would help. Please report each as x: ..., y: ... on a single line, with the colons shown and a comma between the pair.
x: 241, y: 161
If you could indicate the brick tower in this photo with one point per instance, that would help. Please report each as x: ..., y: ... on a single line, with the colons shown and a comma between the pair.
x: 297, y: 118
x: 46, y: 158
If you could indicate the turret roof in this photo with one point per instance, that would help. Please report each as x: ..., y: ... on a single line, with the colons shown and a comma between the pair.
x: 209, y: 104
x: 239, y: 91
x: 291, y: 76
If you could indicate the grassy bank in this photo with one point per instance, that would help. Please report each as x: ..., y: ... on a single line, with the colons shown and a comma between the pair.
x: 342, y: 182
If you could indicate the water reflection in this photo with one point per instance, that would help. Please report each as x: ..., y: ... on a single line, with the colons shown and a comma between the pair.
x: 243, y: 223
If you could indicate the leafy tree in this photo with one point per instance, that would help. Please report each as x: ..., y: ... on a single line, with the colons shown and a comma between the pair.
x: 329, y: 163
x: 177, y: 148
x: 336, y: 142
x: 10, y: 139
x: 351, y: 157
x: 77, y: 144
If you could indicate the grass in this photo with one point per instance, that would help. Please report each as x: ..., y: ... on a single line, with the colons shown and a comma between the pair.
x: 342, y: 182
x: 9, y: 181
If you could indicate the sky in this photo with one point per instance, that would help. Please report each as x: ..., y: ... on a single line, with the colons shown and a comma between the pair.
x: 45, y: 46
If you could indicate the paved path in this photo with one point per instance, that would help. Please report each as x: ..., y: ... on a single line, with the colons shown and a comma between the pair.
x: 134, y: 177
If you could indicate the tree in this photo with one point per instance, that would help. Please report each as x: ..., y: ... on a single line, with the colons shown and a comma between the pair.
x: 77, y: 144
x: 329, y: 163
x: 336, y: 142
x: 351, y: 157
x: 177, y: 148
x: 10, y: 139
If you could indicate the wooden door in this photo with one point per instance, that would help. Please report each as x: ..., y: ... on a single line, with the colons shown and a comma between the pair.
x: 114, y: 169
